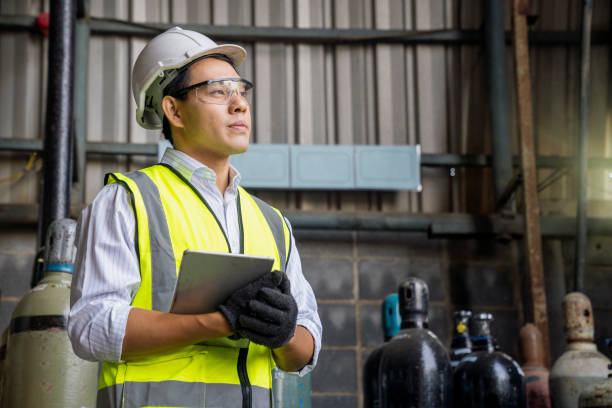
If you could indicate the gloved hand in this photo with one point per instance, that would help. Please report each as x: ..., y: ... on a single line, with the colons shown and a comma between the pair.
x: 272, y: 316
x: 238, y: 302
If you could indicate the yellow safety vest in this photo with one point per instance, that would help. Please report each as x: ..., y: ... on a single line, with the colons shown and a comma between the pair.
x: 171, y: 217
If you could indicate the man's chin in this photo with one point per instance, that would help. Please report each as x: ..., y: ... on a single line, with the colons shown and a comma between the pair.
x: 239, y: 149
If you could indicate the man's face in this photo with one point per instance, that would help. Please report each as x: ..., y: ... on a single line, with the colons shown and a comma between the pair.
x: 211, y: 129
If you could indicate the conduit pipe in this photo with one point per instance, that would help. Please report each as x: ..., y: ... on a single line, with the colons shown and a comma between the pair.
x: 498, y: 96
x: 57, y: 147
x: 585, y: 82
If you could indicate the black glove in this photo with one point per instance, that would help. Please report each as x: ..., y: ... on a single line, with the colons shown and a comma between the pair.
x: 272, y: 316
x: 238, y: 302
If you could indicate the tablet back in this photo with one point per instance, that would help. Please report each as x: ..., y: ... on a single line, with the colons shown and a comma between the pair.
x: 207, y: 278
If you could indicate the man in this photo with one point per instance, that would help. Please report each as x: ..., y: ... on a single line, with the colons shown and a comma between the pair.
x: 132, y: 236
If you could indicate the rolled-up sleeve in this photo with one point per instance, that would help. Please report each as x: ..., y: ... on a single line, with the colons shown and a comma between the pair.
x: 106, y: 276
x: 308, y: 315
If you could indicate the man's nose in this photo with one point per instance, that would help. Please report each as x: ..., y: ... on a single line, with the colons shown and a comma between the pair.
x: 238, y: 103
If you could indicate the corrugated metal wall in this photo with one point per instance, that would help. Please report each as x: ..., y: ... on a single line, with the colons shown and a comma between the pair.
x: 22, y: 92
x: 358, y: 94
x: 325, y: 94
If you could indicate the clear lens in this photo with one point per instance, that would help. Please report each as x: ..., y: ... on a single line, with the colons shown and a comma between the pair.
x: 222, y: 91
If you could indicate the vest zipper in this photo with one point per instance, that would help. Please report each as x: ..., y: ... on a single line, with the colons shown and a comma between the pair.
x: 244, y: 378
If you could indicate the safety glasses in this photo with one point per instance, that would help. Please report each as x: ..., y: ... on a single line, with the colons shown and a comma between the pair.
x: 220, y: 91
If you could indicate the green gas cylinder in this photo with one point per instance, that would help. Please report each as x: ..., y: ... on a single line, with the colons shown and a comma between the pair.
x: 41, y: 370
x: 290, y: 390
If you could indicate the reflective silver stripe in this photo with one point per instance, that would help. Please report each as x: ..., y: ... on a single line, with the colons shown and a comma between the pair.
x: 223, y: 395
x: 164, y: 394
x: 163, y: 264
x: 179, y: 393
x: 110, y: 397
x: 262, y: 397
x: 276, y: 225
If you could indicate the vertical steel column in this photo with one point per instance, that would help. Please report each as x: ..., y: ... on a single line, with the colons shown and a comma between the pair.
x: 498, y: 95
x: 58, y: 122
x: 585, y: 82
x: 81, y: 87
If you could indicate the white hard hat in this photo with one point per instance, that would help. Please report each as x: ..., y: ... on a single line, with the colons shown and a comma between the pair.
x: 157, y: 65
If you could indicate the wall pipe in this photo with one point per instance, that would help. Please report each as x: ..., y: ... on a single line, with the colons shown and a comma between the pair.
x: 437, y: 225
x: 498, y: 97
x: 57, y: 153
x: 585, y: 82
x: 81, y: 87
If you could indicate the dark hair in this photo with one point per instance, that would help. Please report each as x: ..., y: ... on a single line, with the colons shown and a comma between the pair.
x: 180, y: 82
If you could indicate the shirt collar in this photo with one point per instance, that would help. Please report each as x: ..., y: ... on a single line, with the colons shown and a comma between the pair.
x: 189, y: 167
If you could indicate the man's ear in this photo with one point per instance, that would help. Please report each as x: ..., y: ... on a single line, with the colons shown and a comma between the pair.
x: 171, y: 111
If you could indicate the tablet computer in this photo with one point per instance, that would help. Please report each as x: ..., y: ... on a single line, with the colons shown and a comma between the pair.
x: 207, y: 278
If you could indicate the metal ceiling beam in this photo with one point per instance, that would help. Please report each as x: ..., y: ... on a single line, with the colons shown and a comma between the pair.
x: 427, y: 159
x: 249, y: 34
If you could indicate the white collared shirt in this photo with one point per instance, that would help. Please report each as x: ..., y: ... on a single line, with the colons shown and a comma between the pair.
x: 107, y: 272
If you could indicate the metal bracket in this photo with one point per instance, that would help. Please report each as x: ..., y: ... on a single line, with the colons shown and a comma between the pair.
x: 509, y: 190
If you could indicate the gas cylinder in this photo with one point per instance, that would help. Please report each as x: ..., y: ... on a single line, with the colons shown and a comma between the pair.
x: 372, y: 391
x: 461, y: 345
x: 41, y: 368
x: 413, y: 367
x: 581, y: 364
x: 487, y: 378
x: 290, y: 390
x: 2, y: 359
x: 599, y: 395
x: 536, y: 373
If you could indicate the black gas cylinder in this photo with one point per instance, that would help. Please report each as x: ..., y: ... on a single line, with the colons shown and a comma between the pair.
x: 487, y: 378
x: 371, y: 380
x: 461, y: 345
x: 391, y: 324
x: 412, y: 370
